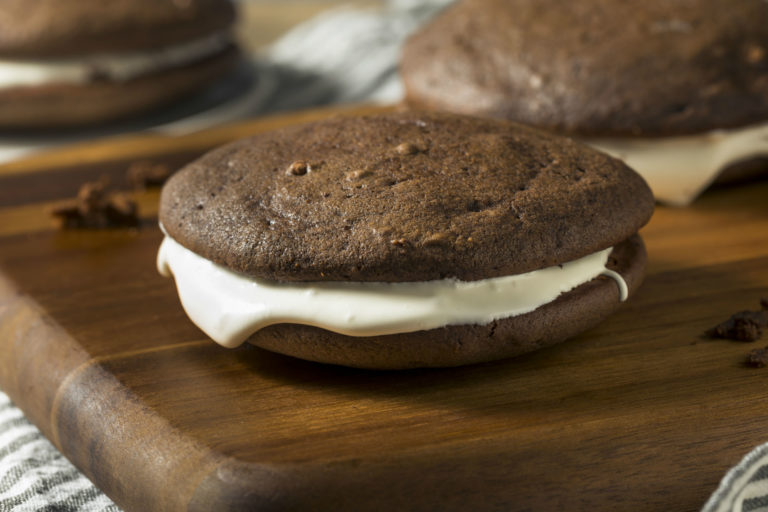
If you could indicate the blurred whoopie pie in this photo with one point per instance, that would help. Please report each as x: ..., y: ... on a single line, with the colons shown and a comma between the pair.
x: 79, y: 62
x: 403, y: 240
x: 678, y: 89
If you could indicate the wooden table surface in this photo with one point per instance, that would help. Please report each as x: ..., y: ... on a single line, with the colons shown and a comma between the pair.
x: 264, y: 21
x: 640, y: 413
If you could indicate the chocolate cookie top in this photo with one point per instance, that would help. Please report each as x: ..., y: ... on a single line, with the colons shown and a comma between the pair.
x: 62, y: 28
x: 402, y: 197
x: 634, y: 67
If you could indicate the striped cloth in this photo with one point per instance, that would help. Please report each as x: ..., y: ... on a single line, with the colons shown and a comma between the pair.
x: 745, y: 487
x: 342, y: 56
x: 345, y: 55
x: 34, y: 476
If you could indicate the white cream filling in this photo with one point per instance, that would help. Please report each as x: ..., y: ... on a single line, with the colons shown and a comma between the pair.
x: 229, y: 307
x: 678, y: 169
x: 114, y: 67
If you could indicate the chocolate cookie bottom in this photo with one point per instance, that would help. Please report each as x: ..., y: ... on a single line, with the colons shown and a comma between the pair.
x: 53, y: 106
x: 571, y: 313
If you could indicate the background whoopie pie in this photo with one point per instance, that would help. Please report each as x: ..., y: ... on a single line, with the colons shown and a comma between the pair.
x: 88, y: 61
x: 354, y: 234
x: 678, y: 89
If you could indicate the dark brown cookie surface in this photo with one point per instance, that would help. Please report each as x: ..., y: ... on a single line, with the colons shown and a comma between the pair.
x: 55, y: 28
x: 402, y: 197
x: 636, y: 67
x: 570, y: 314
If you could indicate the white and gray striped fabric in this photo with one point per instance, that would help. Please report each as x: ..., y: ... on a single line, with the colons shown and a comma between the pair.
x: 343, y: 56
x: 34, y: 476
x: 745, y: 487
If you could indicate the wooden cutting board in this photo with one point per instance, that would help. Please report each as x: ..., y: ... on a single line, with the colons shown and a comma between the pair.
x: 641, y: 413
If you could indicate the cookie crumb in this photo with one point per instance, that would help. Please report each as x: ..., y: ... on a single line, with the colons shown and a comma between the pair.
x: 298, y: 168
x: 742, y: 326
x: 144, y: 174
x: 757, y: 358
x: 398, y: 242
x: 95, y: 208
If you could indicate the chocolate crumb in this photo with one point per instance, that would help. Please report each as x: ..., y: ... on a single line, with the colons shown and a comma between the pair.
x: 764, y: 303
x: 298, y: 168
x: 95, y: 208
x: 121, y: 210
x: 90, y: 196
x: 757, y: 358
x: 144, y: 174
x: 742, y: 326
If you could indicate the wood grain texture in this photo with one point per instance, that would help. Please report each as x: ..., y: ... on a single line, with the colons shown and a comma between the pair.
x: 640, y: 413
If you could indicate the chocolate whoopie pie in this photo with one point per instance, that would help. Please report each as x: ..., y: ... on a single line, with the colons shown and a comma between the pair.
x: 88, y: 61
x: 665, y: 85
x: 403, y: 240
